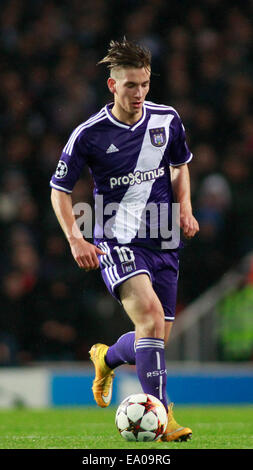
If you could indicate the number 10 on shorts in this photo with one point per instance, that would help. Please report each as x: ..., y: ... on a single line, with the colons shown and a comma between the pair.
x: 126, y: 257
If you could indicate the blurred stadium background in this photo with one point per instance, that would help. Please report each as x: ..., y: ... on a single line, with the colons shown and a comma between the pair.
x: 51, y: 312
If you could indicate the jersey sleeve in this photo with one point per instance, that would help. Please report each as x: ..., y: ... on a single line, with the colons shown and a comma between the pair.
x: 70, y: 164
x: 179, y: 151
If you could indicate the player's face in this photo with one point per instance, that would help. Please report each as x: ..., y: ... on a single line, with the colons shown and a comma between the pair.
x: 130, y: 87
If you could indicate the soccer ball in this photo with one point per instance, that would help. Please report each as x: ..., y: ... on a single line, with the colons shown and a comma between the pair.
x: 141, y: 417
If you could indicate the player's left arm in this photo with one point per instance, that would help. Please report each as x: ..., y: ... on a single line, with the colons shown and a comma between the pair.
x: 180, y: 179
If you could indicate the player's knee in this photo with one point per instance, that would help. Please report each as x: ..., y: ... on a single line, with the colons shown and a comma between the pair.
x: 151, y: 321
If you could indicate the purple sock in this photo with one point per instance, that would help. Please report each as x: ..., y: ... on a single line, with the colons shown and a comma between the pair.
x: 151, y: 367
x: 122, y: 352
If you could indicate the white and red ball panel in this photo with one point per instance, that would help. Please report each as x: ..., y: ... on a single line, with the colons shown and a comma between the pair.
x: 141, y: 417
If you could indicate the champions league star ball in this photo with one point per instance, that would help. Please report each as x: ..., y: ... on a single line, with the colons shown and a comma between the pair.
x: 141, y: 417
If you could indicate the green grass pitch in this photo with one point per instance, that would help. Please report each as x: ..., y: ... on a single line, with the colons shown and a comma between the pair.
x: 94, y: 428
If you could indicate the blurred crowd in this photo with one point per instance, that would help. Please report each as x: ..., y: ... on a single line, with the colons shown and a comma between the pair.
x: 49, y: 83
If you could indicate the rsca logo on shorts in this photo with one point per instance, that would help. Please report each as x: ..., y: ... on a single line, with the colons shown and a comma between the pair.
x: 61, y: 170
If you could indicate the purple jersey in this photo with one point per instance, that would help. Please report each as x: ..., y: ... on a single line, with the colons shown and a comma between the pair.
x: 130, y: 166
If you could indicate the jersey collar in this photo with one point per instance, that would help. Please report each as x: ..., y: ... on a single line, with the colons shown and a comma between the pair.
x: 118, y: 123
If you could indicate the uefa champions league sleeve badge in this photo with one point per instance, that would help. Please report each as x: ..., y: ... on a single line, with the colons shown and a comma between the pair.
x: 61, y: 170
x: 158, y: 136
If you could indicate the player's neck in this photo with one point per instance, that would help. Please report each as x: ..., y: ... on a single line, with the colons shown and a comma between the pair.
x: 125, y: 117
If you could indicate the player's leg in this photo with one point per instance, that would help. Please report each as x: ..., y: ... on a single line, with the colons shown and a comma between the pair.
x: 142, y: 303
x: 145, y: 310
x: 174, y: 431
x: 106, y: 358
x: 167, y: 331
x: 143, y: 307
x: 124, y: 350
x: 166, y: 288
x: 117, y: 267
x: 132, y: 293
x: 135, y: 292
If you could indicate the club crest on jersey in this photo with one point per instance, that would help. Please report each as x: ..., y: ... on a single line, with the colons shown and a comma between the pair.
x: 158, y: 136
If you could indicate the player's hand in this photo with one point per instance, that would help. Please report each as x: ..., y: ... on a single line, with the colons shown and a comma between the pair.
x: 86, y: 254
x: 188, y: 224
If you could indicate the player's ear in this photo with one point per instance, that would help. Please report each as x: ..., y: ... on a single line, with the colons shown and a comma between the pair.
x: 111, y: 83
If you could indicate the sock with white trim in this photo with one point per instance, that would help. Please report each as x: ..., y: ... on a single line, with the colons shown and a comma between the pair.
x: 122, y: 352
x: 151, y: 367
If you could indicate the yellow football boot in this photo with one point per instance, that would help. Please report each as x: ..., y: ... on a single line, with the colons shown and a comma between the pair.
x: 102, y: 384
x: 175, y: 432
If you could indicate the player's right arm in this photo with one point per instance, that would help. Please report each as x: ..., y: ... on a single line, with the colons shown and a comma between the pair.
x: 84, y: 253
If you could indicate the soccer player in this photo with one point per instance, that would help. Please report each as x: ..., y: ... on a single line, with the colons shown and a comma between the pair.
x: 137, y: 154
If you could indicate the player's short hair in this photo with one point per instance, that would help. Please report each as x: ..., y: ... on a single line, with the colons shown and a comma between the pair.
x: 127, y: 54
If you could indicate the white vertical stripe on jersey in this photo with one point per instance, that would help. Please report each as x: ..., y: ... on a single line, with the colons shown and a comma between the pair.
x: 128, y: 216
